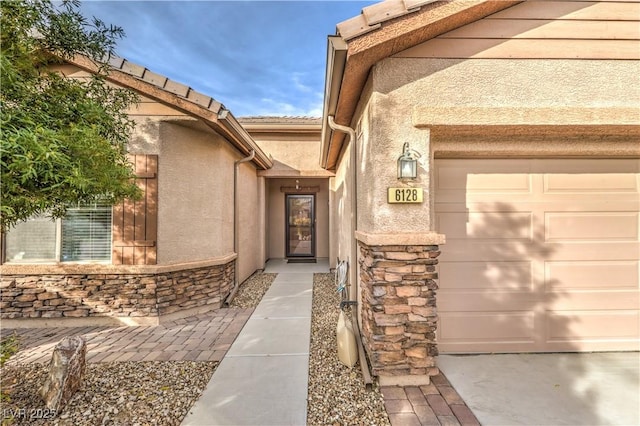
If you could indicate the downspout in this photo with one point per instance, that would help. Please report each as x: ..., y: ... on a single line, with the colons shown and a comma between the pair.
x: 354, y: 200
x: 364, y: 365
x: 236, y: 225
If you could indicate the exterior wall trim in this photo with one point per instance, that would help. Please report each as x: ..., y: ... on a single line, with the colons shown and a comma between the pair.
x: 518, y: 116
x: 293, y: 173
x: 406, y: 239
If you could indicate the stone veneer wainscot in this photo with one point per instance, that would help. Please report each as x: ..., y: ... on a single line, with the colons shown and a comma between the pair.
x: 152, y: 294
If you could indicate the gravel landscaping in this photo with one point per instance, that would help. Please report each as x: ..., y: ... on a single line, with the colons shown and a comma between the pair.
x: 251, y: 291
x: 337, y: 395
x: 117, y: 393
x: 161, y: 392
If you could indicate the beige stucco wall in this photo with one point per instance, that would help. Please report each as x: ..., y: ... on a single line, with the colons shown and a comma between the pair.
x: 276, y: 215
x: 504, y: 82
x: 293, y: 157
x: 402, y: 86
x: 343, y: 245
x: 251, y: 221
x: 195, y: 194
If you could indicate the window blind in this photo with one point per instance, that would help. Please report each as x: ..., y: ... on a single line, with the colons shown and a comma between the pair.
x: 86, y: 234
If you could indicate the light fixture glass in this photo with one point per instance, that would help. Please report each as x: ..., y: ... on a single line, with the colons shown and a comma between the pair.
x: 408, y: 164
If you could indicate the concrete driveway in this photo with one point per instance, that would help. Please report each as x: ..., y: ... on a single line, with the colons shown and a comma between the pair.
x: 548, y: 389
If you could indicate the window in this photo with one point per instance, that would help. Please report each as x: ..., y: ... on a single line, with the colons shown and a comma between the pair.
x: 84, y: 235
x: 32, y: 241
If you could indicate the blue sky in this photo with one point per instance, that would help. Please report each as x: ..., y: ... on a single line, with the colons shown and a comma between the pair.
x: 256, y: 57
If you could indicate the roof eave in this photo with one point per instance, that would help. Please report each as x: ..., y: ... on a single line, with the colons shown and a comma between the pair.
x: 336, y: 60
x: 227, y: 125
x: 384, y: 40
x: 238, y: 136
x: 282, y: 128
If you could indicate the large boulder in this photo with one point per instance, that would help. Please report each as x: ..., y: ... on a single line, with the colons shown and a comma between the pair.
x: 66, y: 371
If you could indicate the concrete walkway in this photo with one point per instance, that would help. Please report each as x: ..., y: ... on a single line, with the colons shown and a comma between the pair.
x: 263, y: 378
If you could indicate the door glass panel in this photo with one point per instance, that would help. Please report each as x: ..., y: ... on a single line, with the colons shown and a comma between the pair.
x: 300, y: 225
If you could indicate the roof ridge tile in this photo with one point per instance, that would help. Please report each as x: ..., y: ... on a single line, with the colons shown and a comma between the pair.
x: 371, y: 17
x: 161, y: 81
x: 132, y: 69
x: 384, y: 11
x: 154, y: 78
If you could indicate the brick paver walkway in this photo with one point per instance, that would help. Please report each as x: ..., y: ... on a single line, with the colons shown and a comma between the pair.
x: 205, y: 337
x: 433, y: 405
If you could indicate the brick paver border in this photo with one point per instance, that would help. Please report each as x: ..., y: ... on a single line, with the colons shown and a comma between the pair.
x: 436, y: 404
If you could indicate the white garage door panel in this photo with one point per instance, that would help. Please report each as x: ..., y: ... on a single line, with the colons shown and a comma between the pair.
x: 490, y: 326
x: 590, y: 183
x: 487, y: 275
x: 593, y: 250
x: 591, y: 226
x: 589, y: 275
x: 495, y: 225
x: 592, y: 325
x: 541, y: 255
x: 501, y: 302
x: 591, y: 300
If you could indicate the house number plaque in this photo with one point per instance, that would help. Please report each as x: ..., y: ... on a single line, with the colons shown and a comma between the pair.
x: 404, y: 195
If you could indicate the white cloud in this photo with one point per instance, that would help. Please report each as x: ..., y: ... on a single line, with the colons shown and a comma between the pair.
x: 271, y: 107
x: 297, y: 83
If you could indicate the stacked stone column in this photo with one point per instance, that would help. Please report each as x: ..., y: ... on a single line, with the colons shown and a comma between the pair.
x: 399, y: 318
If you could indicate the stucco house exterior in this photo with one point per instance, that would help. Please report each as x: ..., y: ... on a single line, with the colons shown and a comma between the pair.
x: 174, y: 252
x: 526, y: 117
x: 295, y: 180
x: 520, y: 232
x: 216, y: 207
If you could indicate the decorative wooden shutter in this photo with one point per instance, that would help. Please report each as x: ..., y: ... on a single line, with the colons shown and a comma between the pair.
x: 135, y: 223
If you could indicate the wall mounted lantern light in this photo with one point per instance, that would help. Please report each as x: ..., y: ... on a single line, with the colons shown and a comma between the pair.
x: 408, y: 164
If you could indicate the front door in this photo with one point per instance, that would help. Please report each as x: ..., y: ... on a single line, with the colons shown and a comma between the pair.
x: 300, y: 226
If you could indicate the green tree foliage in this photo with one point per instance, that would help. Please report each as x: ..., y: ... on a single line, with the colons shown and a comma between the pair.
x: 63, y: 140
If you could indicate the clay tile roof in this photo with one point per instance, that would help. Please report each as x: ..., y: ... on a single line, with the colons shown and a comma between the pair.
x: 181, y: 97
x: 164, y: 83
x: 373, y: 16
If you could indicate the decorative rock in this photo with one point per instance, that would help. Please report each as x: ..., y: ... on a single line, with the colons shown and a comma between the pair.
x: 66, y: 371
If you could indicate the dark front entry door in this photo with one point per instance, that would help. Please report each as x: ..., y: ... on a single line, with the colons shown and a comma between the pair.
x: 300, y: 226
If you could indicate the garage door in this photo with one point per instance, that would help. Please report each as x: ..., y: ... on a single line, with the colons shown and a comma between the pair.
x: 541, y: 256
